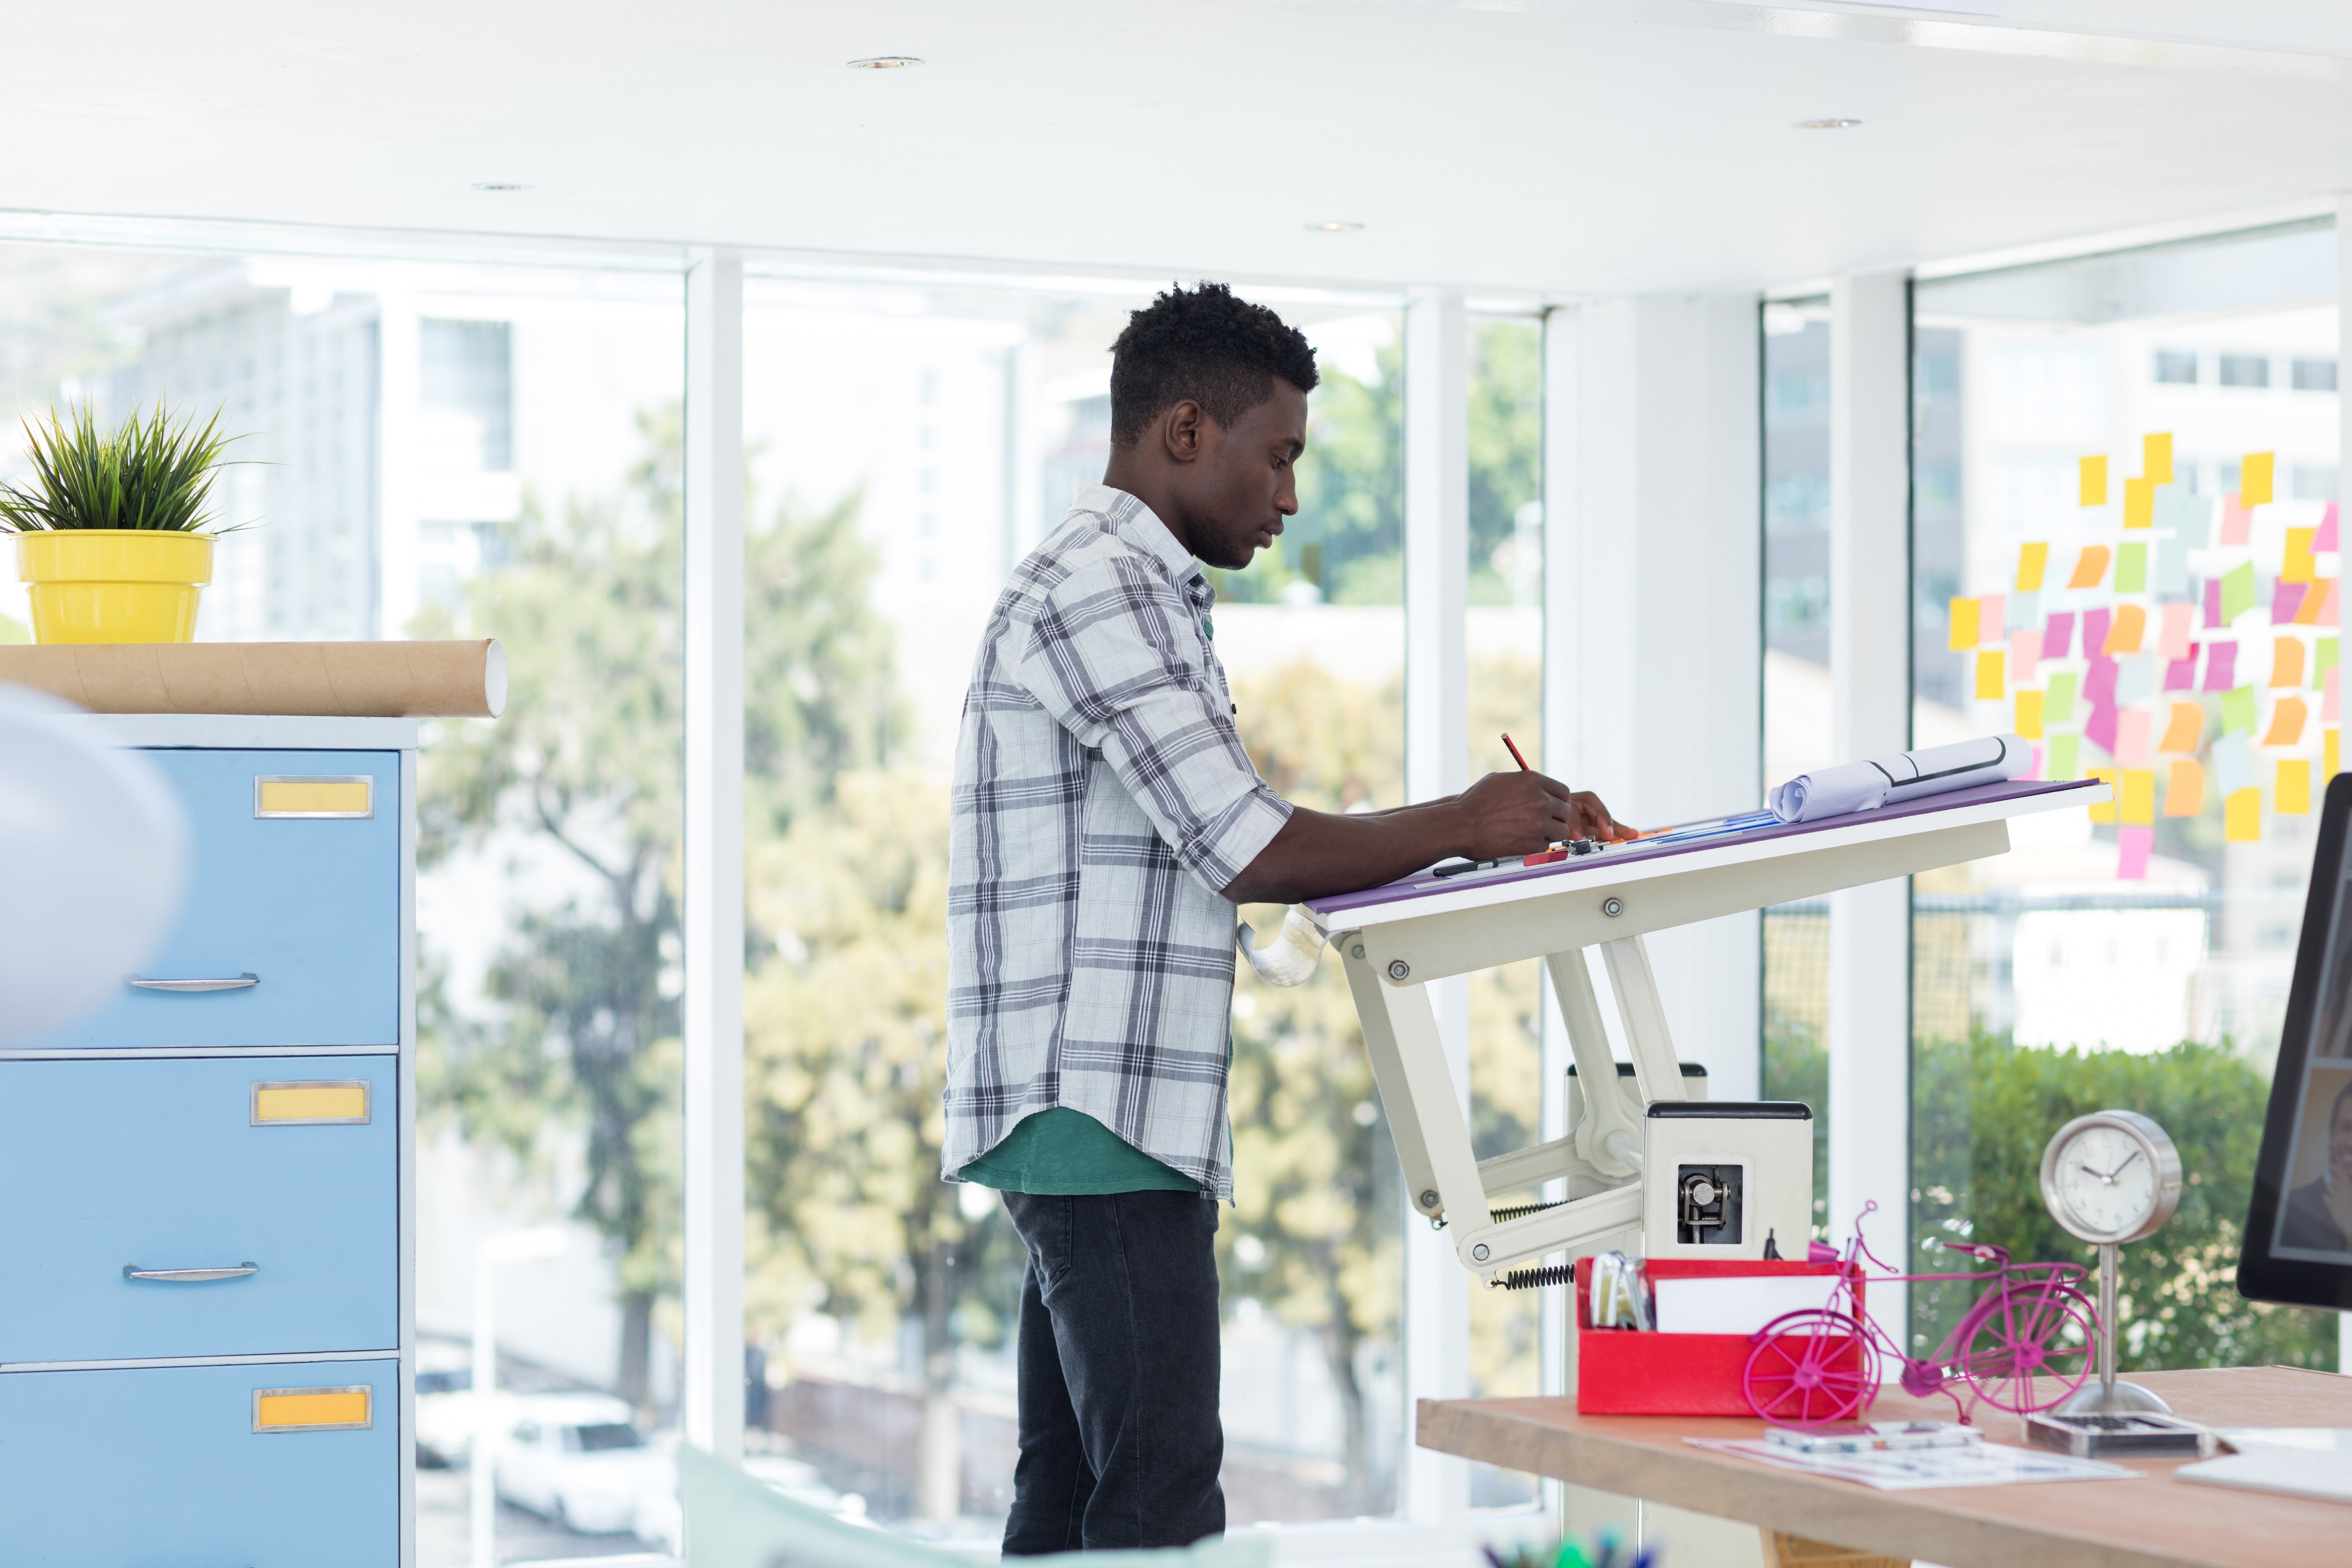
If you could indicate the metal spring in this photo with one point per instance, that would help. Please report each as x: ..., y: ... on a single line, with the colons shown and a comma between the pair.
x: 1521, y: 1211
x: 1534, y: 1279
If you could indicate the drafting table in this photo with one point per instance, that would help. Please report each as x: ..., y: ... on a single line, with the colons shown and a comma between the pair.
x: 1395, y: 939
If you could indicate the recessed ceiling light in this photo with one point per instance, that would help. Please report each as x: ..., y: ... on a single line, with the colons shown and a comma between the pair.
x: 1827, y: 124
x: 883, y: 63
x: 1334, y: 225
x: 500, y: 186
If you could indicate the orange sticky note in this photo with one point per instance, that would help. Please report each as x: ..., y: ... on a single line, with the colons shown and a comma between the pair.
x: 1990, y: 687
x: 2106, y: 812
x: 2287, y: 723
x: 2156, y: 458
x: 1963, y: 626
x: 2126, y: 631
x: 2241, y: 817
x: 2184, y: 789
x: 2089, y: 567
x: 2300, y: 567
x: 2094, y: 482
x: 2255, y: 478
x: 2318, y: 606
x: 2286, y: 662
x: 2140, y: 504
x: 2033, y: 560
x: 2182, y: 729
x: 2029, y: 715
x: 2291, y: 798
x: 2136, y: 797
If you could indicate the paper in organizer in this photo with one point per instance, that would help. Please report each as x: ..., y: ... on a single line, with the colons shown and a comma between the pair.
x: 1906, y: 775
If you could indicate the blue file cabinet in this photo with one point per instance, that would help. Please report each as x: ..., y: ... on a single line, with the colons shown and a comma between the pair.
x: 205, y: 1338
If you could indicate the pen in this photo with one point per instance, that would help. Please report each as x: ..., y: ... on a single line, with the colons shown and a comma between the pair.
x: 1514, y: 753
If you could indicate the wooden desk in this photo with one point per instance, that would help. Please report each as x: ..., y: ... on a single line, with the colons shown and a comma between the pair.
x: 2154, y: 1522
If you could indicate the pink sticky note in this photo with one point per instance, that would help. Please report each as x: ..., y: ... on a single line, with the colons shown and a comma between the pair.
x: 1992, y: 612
x: 2094, y: 631
x: 2131, y: 738
x: 2325, y: 538
x: 2033, y: 773
x: 2025, y: 648
x: 2220, y: 666
x: 2133, y: 846
x: 2236, y: 521
x: 2286, y: 600
x: 2060, y: 635
x: 2099, y: 681
x: 2173, y: 641
x: 2327, y: 703
x: 2180, y: 675
x: 2101, y: 726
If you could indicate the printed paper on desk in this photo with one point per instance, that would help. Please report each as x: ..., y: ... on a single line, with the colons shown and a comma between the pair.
x: 1737, y: 1303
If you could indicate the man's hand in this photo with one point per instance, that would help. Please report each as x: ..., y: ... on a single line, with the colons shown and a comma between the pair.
x: 1526, y: 813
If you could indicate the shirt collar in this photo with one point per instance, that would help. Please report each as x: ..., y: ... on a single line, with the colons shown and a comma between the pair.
x: 1139, y: 526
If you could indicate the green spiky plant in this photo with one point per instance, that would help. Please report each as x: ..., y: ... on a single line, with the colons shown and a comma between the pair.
x: 149, y: 473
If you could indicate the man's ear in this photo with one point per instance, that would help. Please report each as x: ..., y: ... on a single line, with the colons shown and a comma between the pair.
x: 1180, y: 432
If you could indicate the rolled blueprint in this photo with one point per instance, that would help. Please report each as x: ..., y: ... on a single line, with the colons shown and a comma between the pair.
x: 1290, y: 957
x: 1907, y: 775
x: 347, y: 679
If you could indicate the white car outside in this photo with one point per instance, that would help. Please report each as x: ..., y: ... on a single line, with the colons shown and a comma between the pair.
x: 659, y: 1522
x: 579, y: 1459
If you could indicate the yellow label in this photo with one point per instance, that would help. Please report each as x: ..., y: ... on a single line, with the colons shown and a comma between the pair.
x: 301, y: 1409
x: 309, y: 1102
x: 314, y: 797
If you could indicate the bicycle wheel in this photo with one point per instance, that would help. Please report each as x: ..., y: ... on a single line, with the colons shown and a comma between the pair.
x: 1810, y: 1368
x: 2024, y: 1331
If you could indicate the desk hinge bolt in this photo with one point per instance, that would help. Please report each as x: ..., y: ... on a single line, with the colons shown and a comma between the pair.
x: 1357, y: 950
x: 1612, y: 908
x: 1399, y: 969
x: 1429, y: 1200
x: 1479, y: 1252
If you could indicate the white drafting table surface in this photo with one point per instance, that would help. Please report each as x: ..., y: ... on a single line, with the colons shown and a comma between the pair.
x: 1757, y: 853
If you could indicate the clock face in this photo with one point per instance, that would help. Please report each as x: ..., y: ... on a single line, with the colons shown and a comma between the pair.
x: 2104, y: 1182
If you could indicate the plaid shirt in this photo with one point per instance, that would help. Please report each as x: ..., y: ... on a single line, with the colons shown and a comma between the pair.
x: 1102, y: 800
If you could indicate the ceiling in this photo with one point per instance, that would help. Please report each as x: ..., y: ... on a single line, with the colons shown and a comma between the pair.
x: 1557, y: 146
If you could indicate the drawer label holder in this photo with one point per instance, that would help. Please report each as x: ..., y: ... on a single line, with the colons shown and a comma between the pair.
x: 284, y: 796
x: 312, y: 1102
x: 347, y: 1409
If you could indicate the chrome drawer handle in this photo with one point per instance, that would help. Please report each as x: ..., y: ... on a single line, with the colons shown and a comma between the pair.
x: 239, y: 984
x: 188, y: 1276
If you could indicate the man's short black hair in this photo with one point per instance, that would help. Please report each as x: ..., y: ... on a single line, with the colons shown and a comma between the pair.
x: 1203, y: 343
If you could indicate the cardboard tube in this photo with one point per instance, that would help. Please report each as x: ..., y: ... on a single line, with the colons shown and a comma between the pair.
x: 347, y: 679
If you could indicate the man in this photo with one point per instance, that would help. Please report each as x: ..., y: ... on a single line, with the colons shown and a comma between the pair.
x: 2319, y: 1214
x: 1107, y: 822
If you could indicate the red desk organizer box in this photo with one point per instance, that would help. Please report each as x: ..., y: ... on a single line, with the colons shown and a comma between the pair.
x: 1627, y: 1372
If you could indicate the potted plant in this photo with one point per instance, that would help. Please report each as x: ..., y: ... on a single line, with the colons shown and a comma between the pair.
x: 113, y: 532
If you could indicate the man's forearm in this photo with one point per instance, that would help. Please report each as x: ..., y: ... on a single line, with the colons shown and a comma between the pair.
x: 1317, y: 854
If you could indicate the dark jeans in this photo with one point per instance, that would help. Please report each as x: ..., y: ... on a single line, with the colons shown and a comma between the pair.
x: 1121, y: 1442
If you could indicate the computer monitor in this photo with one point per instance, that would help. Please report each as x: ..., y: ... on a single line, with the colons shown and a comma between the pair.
x: 2298, y: 1242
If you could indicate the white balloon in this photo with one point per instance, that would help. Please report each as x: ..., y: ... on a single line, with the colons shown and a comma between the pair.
x: 93, y: 866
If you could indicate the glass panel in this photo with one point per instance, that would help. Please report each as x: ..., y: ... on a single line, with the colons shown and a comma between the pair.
x: 908, y: 445
x: 1796, y: 727
x: 2084, y: 573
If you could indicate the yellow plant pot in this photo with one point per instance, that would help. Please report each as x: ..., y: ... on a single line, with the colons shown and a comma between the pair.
x: 114, y: 584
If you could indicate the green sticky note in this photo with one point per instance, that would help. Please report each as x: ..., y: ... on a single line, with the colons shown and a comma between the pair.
x: 2062, y: 753
x: 2131, y: 569
x: 2323, y: 660
x: 2058, y: 707
x: 2238, y: 711
x: 2237, y: 591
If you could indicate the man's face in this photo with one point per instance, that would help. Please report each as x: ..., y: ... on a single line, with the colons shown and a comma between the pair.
x: 2339, y: 1141
x: 1245, y: 482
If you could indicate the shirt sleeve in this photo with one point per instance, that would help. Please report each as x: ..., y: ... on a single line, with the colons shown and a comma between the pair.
x: 1114, y: 656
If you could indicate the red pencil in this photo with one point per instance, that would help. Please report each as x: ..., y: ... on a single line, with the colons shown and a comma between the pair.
x: 1514, y: 753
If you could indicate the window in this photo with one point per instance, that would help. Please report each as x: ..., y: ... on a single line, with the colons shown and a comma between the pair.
x: 2140, y: 959
x: 465, y: 385
x: 2314, y: 375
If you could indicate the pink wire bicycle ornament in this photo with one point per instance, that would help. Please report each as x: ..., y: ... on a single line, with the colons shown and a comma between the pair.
x: 1822, y: 1365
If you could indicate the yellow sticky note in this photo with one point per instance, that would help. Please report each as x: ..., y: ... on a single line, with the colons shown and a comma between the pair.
x: 2287, y: 723
x: 1990, y: 686
x: 1964, y: 625
x: 2029, y: 715
x: 2254, y: 482
x: 2126, y: 631
x: 2300, y: 567
x: 2293, y: 796
x: 2105, y: 812
x: 2182, y: 729
x: 2140, y: 504
x: 2241, y: 817
x: 2156, y: 458
x: 2327, y: 768
x: 2184, y: 791
x: 2094, y: 482
x: 2286, y: 662
x: 2136, y: 797
x: 2089, y: 567
x: 2033, y: 560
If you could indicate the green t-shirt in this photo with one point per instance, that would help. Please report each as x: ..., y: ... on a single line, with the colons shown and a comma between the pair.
x: 1065, y: 1152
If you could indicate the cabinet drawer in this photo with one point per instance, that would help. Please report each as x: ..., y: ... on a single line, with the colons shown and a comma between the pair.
x: 182, y: 1166
x: 163, y: 1465
x: 303, y: 902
